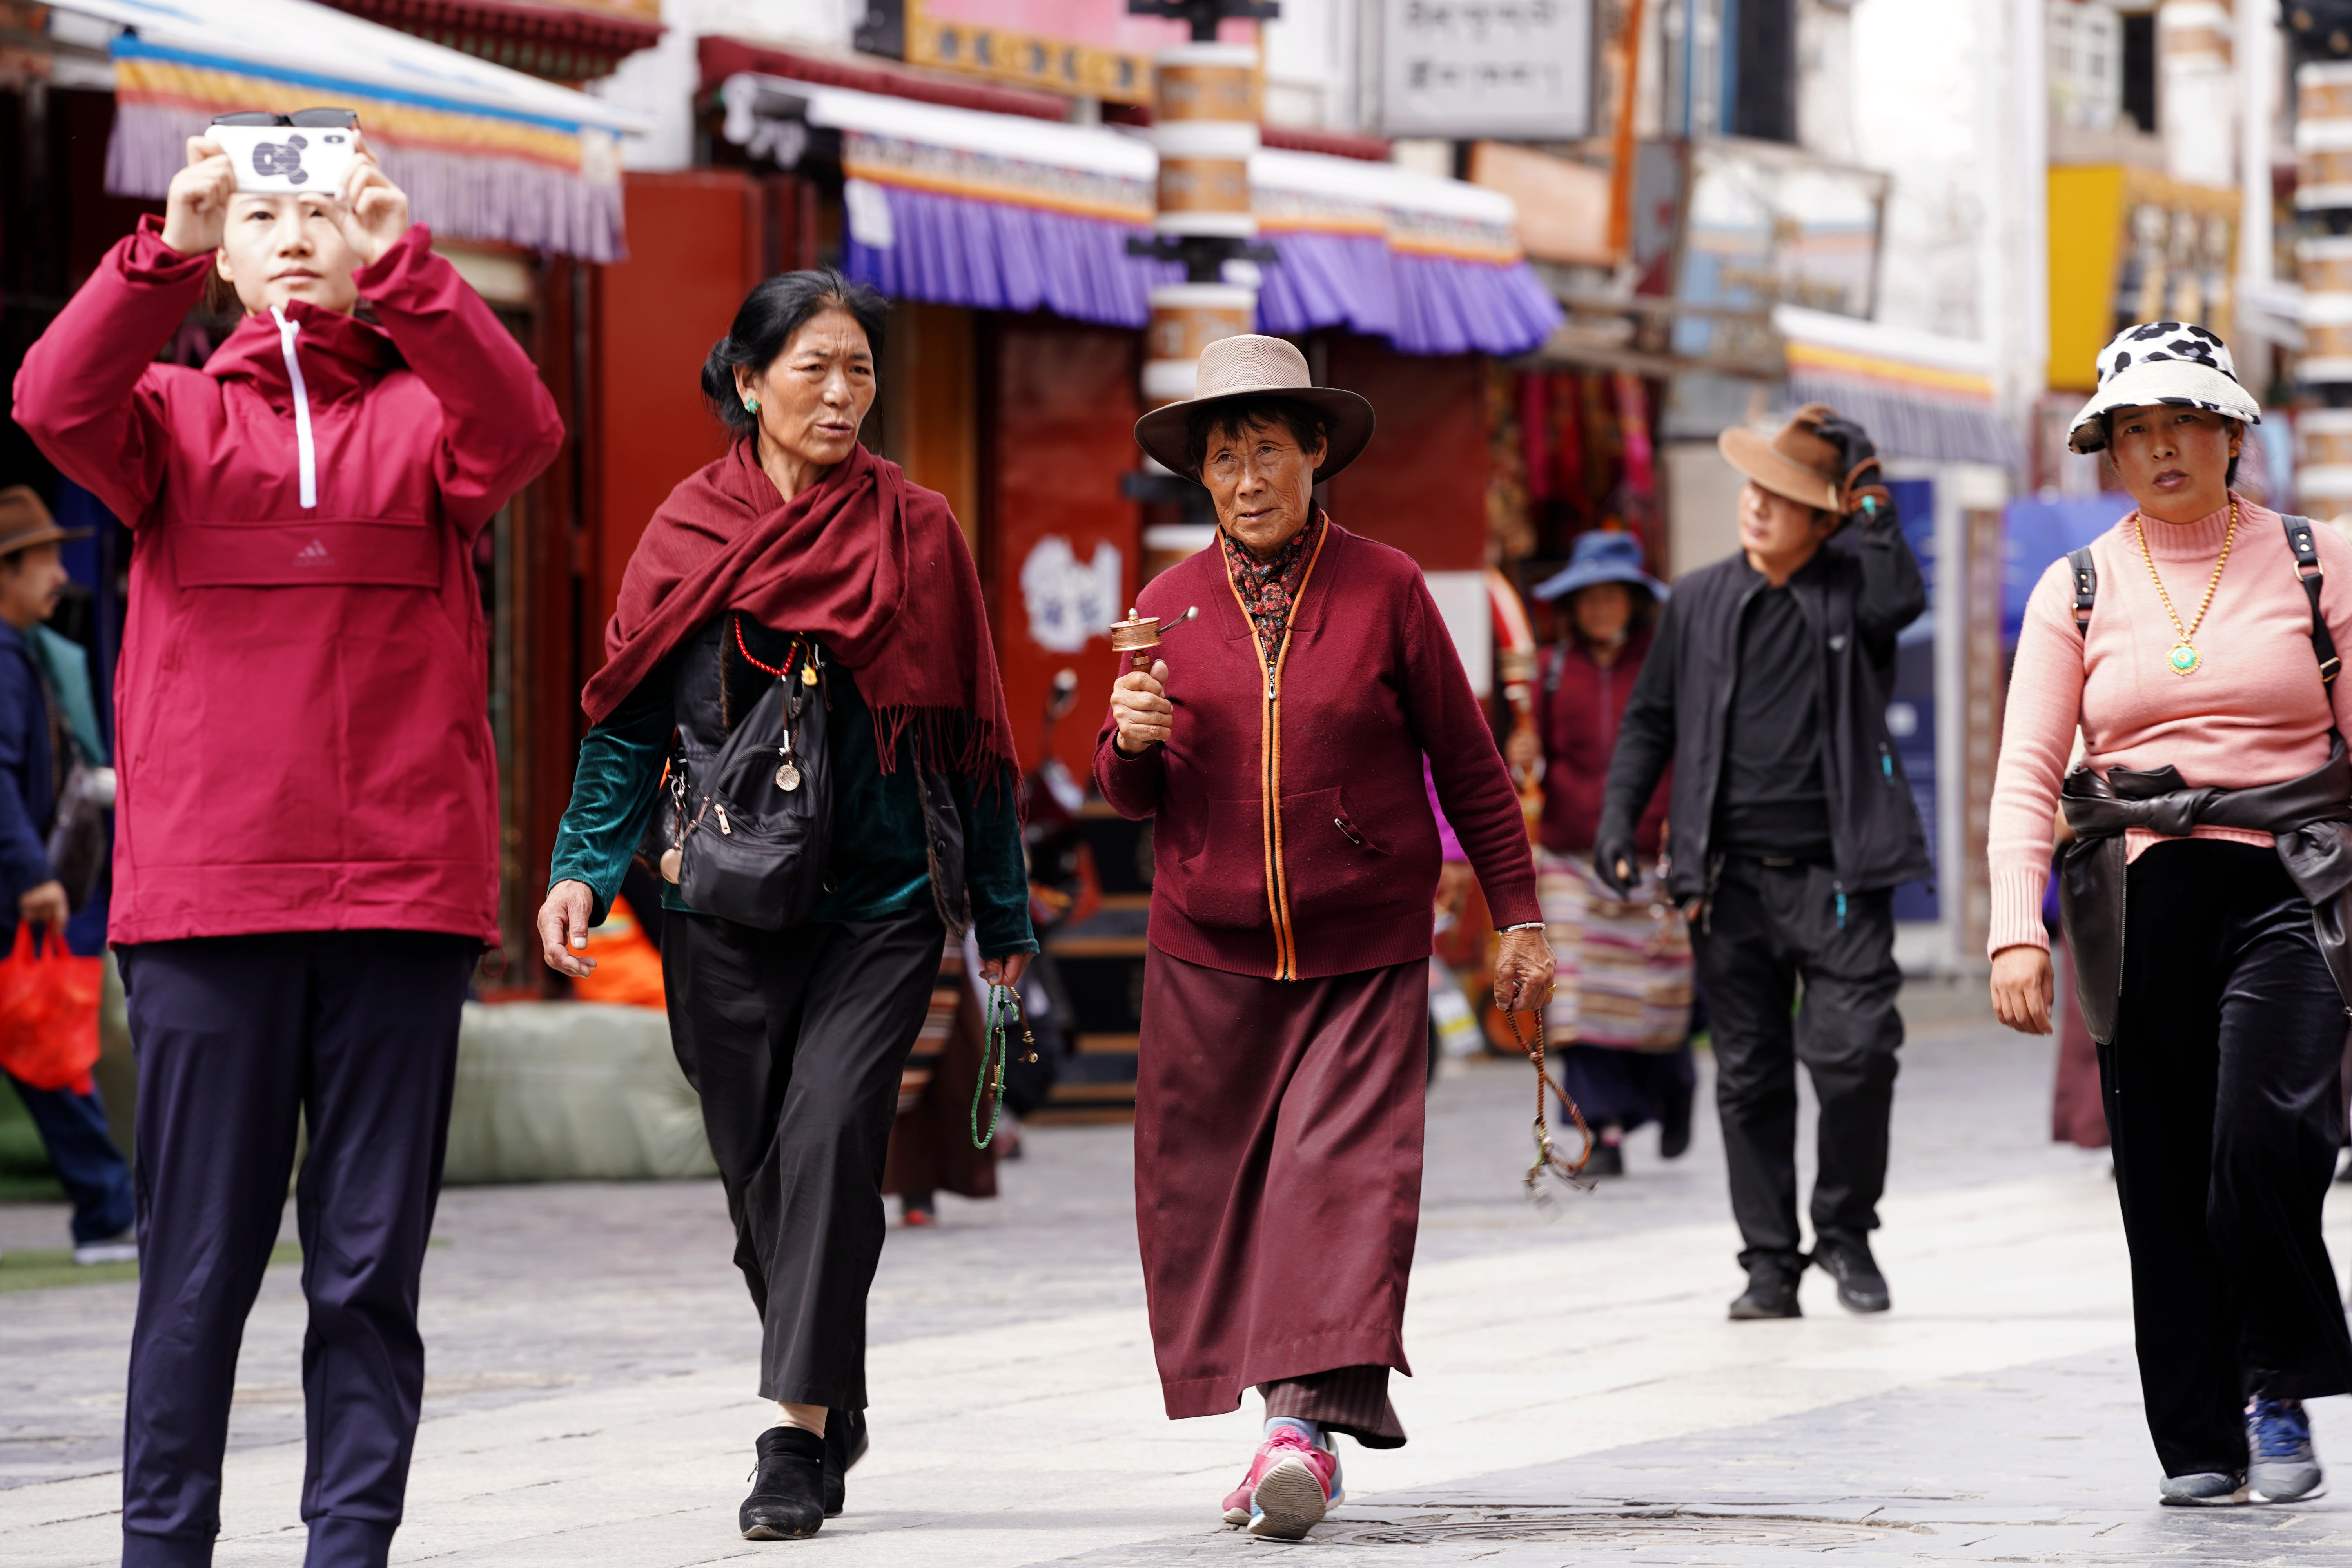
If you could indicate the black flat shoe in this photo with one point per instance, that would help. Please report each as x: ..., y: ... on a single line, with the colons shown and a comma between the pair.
x: 787, y: 1500
x: 1675, y: 1129
x: 1608, y: 1160
x: 844, y: 1445
x: 1771, y: 1293
x: 1861, y: 1288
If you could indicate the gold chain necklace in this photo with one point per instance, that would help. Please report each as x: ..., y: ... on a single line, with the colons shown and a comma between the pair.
x: 2184, y: 659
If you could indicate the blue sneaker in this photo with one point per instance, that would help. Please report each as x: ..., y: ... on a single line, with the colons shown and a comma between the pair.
x: 2284, y: 1468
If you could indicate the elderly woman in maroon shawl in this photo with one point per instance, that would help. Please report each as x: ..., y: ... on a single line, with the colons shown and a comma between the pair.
x: 799, y: 558
x: 1280, y: 1080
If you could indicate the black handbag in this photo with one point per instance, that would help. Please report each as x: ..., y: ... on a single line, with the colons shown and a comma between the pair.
x: 79, y: 851
x: 752, y: 825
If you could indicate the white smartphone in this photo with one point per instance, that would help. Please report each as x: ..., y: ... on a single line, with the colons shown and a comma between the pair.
x: 287, y: 160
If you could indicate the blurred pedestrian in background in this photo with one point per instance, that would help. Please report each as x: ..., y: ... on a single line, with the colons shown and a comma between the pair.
x: 1789, y: 826
x: 307, y: 855
x: 1281, y: 1073
x: 799, y: 572
x: 39, y: 740
x: 2195, y: 644
x: 1620, y: 1016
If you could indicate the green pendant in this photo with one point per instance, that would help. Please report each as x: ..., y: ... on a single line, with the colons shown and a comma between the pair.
x: 2183, y: 659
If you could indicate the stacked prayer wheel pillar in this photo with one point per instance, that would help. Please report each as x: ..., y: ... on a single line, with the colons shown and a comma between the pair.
x: 2323, y: 140
x: 1205, y: 107
x: 1207, y: 99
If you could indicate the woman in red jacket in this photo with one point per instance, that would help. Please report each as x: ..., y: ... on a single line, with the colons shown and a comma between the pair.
x: 1622, y: 1012
x: 1286, y: 994
x: 306, y: 854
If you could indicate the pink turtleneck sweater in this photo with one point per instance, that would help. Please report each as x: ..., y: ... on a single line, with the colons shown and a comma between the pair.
x: 2253, y: 713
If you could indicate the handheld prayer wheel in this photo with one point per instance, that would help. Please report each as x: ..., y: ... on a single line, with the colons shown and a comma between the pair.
x: 1134, y: 638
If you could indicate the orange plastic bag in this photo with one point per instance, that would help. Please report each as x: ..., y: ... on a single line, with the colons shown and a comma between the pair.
x: 628, y: 965
x: 48, y: 1012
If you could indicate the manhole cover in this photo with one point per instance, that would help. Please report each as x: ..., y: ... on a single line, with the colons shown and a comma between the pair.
x: 1622, y: 1531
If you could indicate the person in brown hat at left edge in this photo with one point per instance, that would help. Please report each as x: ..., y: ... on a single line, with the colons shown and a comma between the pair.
x: 38, y: 729
x: 1789, y: 825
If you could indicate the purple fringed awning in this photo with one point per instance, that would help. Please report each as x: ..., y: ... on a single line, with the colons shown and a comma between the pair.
x: 483, y: 153
x: 992, y: 256
x: 1000, y: 214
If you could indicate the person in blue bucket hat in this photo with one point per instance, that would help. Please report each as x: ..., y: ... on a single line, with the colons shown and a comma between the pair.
x: 1603, y: 555
x: 1621, y: 1010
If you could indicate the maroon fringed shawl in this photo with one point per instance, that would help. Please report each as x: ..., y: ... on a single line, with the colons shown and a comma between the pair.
x: 874, y: 567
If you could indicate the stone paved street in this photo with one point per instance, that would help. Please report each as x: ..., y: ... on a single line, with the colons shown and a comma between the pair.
x: 1578, y: 1395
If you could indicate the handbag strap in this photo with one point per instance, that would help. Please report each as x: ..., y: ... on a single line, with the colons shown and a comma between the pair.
x: 2306, y: 568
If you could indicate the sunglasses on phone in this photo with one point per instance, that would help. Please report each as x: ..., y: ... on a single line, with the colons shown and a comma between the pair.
x: 306, y: 119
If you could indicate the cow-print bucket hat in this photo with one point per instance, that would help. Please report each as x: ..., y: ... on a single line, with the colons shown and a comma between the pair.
x: 2162, y: 363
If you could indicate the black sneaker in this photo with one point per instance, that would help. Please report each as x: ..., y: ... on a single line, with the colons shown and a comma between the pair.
x: 1861, y: 1288
x: 1771, y: 1293
x: 844, y: 1445
x: 1608, y: 1160
x: 787, y: 1500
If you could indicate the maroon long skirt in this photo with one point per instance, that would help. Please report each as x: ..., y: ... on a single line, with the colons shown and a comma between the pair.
x: 1278, y: 1172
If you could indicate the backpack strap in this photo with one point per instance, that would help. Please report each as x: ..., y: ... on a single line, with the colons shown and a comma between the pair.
x: 2086, y: 588
x: 2306, y: 567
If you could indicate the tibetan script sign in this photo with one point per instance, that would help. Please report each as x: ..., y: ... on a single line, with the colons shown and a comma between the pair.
x: 1515, y: 69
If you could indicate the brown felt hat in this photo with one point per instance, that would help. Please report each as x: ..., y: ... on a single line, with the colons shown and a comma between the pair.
x: 1254, y: 365
x: 1798, y: 463
x: 25, y: 522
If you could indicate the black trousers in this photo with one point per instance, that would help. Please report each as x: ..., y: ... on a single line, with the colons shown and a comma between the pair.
x: 355, y: 1033
x: 1770, y: 930
x: 795, y: 1039
x: 2223, y: 1109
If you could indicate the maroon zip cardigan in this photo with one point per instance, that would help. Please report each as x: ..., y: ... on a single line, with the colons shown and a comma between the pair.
x: 1341, y: 878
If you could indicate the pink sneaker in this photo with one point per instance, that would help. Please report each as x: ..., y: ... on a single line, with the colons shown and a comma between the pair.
x: 1291, y: 1485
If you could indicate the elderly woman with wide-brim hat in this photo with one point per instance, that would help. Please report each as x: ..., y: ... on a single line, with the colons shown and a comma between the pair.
x: 1278, y: 746
x: 1620, y: 1018
x: 2194, y: 645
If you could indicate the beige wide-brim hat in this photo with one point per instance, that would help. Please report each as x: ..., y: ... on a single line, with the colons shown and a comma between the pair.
x: 1252, y: 365
x: 1798, y: 463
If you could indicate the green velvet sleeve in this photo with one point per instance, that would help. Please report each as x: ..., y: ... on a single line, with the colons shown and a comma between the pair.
x: 613, y: 792
x: 994, y: 868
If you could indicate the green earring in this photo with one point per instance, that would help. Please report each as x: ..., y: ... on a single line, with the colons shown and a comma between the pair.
x: 751, y: 405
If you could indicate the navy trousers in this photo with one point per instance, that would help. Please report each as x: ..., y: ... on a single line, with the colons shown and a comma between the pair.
x: 91, y: 1169
x: 355, y: 1033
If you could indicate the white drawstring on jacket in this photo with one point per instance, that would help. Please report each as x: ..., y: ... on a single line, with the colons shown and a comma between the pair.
x: 286, y: 332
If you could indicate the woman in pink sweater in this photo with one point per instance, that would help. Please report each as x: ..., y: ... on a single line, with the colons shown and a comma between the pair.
x: 2194, y: 645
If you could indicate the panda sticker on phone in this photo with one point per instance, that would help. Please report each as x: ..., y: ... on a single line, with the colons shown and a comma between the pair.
x: 307, y: 150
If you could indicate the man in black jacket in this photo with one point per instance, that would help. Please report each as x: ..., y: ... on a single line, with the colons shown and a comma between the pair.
x: 1789, y: 826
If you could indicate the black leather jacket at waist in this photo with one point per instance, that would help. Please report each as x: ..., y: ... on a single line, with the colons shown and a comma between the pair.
x: 2309, y: 817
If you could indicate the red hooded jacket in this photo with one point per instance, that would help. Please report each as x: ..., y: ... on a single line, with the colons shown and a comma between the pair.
x: 301, y: 722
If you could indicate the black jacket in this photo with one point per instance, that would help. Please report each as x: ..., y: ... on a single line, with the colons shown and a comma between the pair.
x: 1861, y: 591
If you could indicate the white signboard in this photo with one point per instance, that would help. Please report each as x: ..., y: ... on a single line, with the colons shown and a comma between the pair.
x: 1506, y: 68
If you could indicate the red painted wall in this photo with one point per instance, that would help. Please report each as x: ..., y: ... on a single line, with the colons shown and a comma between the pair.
x: 1061, y: 404
x: 1422, y: 484
x: 695, y: 251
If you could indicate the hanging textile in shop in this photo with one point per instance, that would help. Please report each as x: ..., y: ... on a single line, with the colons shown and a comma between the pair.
x: 1003, y: 212
x: 483, y: 153
x: 1919, y: 395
